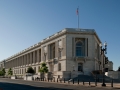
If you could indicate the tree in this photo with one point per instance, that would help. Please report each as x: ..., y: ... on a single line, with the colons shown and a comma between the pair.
x: 10, y: 72
x: 43, y: 68
x: 2, y: 72
x: 118, y: 68
x: 30, y: 70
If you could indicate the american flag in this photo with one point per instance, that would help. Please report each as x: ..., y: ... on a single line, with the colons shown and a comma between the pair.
x: 77, y: 11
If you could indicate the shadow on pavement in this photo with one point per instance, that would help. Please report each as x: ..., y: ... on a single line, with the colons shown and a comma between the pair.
x: 12, y: 86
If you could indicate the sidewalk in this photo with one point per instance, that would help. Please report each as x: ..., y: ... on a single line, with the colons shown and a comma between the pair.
x: 92, y: 84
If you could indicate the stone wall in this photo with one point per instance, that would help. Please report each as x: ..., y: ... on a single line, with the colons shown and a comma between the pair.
x: 113, y: 74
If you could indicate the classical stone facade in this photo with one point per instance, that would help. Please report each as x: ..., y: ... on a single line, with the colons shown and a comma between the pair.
x: 66, y: 51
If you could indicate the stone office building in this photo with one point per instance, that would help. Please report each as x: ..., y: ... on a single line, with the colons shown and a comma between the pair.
x: 70, y: 50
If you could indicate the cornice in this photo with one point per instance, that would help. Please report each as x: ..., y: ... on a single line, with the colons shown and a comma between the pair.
x: 54, y: 36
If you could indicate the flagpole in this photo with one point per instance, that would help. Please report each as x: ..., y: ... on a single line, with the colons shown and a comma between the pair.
x: 78, y: 17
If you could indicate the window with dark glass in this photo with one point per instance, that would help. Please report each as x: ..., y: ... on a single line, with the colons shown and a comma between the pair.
x: 79, y: 49
x: 80, y: 67
x: 59, y: 66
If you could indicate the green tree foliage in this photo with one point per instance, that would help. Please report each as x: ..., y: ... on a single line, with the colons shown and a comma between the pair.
x: 118, y: 68
x: 10, y: 72
x: 2, y: 72
x: 30, y: 70
x: 43, y: 68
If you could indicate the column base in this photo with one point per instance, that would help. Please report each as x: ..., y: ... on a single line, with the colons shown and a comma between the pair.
x: 104, y: 85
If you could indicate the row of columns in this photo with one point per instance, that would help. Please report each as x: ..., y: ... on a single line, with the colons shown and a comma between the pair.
x: 30, y: 58
x: 36, y: 56
x: 24, y: 70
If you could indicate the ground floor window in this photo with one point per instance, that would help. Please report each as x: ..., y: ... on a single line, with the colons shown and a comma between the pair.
x: 59, y: 66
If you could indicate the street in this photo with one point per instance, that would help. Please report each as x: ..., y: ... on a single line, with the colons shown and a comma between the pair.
x: 8, y: 84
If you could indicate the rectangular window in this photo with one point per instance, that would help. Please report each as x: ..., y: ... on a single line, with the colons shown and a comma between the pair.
x: 80, y: 67
x: 59, y: 66
x: 60, y: 54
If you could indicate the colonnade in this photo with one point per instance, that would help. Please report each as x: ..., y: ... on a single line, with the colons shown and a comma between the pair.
x: 29, y: 58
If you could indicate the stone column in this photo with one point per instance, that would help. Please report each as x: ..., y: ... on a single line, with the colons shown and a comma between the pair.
x: 14, y: 62
x: 24, y: 60
x: 56, y: 49
x: 27, y: 59
x: 48, y: 52
x: 7, y: 65
x: 64, y: 47
x: 47, y: 49
x: 17, y: 62
x: 73, y: 47
x: 21, y: 61
x: 85, y: 46
x: 11, y: 63
x: 38, y: 57
x: 42, y: 54
x: 33, y: 56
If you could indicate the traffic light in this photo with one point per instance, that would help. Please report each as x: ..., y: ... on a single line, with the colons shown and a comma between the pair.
x: 106, y: 60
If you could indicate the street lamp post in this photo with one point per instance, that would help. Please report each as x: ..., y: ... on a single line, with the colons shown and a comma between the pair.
x: 15, y: 74
x: 103, y: 51
x: 73, y: 68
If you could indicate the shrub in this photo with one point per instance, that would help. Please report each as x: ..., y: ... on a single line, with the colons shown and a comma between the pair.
x: 30, y: 70
x: 2, y: 72
x: 118, y: 68
x: 10, y: 71
x: 43, y: 68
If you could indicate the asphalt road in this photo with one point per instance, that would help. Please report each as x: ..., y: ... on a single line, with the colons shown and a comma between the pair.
x: 8, y: 84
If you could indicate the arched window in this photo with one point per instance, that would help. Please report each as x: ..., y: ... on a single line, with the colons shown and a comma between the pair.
x: 79, y: 49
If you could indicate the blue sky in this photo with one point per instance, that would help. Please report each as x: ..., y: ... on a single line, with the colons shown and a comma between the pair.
x: 26, y: 22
